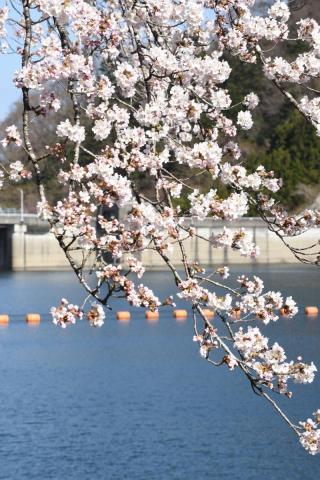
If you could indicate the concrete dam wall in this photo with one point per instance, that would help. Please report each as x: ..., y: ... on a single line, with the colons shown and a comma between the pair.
x: 40, y: 251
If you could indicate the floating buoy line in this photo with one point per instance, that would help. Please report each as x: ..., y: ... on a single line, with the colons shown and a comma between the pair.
x: 150, y: 315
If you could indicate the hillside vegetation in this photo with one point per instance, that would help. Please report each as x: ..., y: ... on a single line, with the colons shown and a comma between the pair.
x: 281, y: 139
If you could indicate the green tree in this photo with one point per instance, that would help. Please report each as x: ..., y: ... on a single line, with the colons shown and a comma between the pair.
x: 293, y: 154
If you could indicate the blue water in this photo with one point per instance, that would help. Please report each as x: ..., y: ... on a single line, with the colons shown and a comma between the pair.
x: 135, y: 401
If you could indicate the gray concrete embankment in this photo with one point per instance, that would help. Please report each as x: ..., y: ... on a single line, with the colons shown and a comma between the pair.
x: 40, y: 251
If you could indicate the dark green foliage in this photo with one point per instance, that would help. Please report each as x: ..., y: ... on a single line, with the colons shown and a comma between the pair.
x: 293, y: 154
x: 281, y: 139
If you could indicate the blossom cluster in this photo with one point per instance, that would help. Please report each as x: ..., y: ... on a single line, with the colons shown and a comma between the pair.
x: 310, y: 437
x: 13, y: 136
x: 66, y: 313
x: 240, y: 240
x: 96, y: 315
x: 150, y: 115
x: 138, y: 296
x: 4, y: 11
x: 263, y: 305
x: 269, y: 363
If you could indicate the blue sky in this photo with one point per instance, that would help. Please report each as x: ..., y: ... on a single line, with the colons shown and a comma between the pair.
x: 9, y: 63
x: 8, y: 92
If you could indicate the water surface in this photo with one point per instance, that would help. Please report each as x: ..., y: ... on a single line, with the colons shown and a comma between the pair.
x: 135, y: 401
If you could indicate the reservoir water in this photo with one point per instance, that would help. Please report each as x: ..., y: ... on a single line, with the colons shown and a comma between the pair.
x: 135, y: 401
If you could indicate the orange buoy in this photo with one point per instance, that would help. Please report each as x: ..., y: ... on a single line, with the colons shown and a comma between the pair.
x: 150, y: 315
x: 33, y: 318
x: 4, y: 319
x: 236, y: 312
x: 209, y: 314
x: 180, y: 314
x: 123, y: 316
x: 312, y: 311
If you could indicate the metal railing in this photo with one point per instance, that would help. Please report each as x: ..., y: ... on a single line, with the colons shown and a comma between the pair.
x: 9, y: 211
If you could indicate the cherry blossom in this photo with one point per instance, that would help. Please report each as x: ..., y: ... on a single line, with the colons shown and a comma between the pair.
x: 75, y: 133
x: 66, y: 313
x: 96, y: 315
x: 147, y: 80
x: 13, y: 136
x: 245, y: 120
x: 4, y: 11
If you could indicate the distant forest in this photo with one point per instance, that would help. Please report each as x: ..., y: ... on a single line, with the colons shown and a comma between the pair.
x: 281, y: 139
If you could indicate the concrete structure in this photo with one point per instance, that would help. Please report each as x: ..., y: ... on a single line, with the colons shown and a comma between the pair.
x: 36, y: 251
x: 29, y: 246
x: 16, y: 229
x: 10, y: 216
x: 272, y: 249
